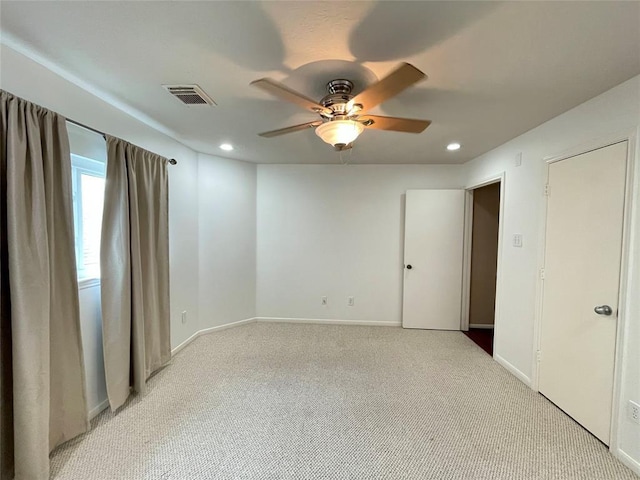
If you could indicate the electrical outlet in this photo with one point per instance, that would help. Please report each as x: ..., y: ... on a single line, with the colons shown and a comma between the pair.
x: 350, y: 301
x: 324, y: 301
x: 634, y: 411
x: 184, y: 317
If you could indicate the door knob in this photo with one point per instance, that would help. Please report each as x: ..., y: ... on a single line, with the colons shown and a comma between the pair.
x: 409, y: 267
x: 603, y: 310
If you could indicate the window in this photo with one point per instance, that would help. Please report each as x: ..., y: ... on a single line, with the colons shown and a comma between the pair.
x: 88, y: 199
x: 88, y: 168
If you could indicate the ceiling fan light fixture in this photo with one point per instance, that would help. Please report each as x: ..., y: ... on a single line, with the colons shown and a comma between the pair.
x: 339, y: 132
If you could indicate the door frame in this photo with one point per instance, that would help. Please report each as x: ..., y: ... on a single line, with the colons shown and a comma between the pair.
x: 625, y: 271
x: 466, y: 262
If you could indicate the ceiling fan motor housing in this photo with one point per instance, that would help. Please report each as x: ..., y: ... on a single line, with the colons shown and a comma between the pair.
x: 340, y: 85
x: 338, y: 97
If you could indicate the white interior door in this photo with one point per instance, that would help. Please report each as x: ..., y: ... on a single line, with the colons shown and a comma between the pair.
x: 433, y: 251
x: 582, y: 271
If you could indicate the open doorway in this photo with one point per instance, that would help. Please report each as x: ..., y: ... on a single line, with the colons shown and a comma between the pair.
x: 483, y: 262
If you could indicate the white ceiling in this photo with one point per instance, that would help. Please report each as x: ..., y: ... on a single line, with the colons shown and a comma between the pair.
x: 495, y: 69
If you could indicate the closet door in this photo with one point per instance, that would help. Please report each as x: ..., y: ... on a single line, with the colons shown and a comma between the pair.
x: 433, y: 251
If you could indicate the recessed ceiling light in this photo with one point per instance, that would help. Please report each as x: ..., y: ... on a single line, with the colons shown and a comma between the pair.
x: 453, y: 146
x: 226, y: 146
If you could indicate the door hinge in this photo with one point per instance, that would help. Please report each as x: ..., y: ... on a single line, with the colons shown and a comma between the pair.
x: 546, y: 190
x: 538, y: 356
x: 542, y: 273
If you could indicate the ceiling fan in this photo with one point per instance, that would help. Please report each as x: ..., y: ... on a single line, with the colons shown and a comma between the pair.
x: 342, y: 115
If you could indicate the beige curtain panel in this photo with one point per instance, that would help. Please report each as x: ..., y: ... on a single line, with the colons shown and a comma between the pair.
x: 134, y: 265
x: 43, y: 400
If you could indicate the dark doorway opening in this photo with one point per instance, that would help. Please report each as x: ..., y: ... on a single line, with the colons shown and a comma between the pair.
x: 484, y: 265
x: 483, y: 337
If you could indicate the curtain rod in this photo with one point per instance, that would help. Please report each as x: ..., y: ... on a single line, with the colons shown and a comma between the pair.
x: 172, y: 161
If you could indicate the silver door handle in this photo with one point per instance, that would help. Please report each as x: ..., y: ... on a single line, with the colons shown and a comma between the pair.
x: 603, y: 310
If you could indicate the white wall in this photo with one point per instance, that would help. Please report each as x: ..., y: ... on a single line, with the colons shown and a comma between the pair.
x: 226, y: 207
x: 30, y: 80
x: 615, y: 111
x: 227, y: 240
x: 91, y: 320
x: 336, y: 231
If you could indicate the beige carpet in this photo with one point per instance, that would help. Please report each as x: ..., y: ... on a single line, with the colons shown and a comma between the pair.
x: 278, y: 401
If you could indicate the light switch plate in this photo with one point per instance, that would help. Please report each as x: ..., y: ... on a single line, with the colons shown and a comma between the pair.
x: 517, y: 240
x: 518, y: 160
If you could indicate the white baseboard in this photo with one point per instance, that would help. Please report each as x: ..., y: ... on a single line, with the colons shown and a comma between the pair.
x: 328, y: 321
x: 481, y: 325
x: 99, y: 408
x: 227, y: 325
x: 185, y: 343
x: 315, y: 321
x: 513, y: 370
x: 209, y: 330
x: 630, y: 462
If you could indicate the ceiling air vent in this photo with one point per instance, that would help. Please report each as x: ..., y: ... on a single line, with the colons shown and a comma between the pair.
x: 189, y: 94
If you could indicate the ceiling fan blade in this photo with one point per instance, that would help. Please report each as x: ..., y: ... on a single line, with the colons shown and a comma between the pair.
x: 285, y: 93
x: 402, y: 77
x: 295, y: 128
x: 393, y: 123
